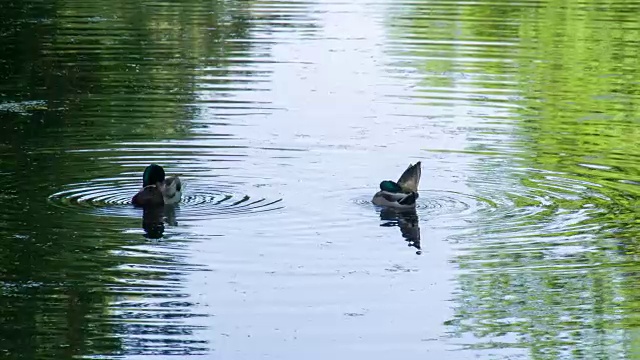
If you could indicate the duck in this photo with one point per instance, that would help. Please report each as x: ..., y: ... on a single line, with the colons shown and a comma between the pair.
x: 401, y: 194
x: 158, y: 190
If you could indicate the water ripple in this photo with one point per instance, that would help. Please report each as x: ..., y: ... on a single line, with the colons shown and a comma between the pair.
x: 113, y: 198
x: 433, y: 203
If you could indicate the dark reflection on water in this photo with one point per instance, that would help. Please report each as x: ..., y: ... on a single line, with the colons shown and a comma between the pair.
x: 408, y: 222
x: 154, y: 218
x: 88, y: 90
x: 62, y: 288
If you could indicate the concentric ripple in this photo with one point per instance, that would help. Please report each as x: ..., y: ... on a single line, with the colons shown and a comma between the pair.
x: 434, y: 203
x: 506, y: 214
x: 112, y: 197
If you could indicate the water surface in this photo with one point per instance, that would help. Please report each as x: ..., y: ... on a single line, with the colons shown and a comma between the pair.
x: 282, y: 117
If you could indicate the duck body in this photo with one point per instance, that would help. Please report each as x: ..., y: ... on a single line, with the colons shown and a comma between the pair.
x: 158, y: 190
x: 401, y: 194
x: 395, y: 200
x: 148, y: 196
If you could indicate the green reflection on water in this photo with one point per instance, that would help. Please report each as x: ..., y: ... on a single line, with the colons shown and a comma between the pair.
x: 555, y: 135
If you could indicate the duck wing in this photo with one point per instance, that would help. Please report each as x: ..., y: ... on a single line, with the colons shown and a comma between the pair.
x: 409, y: 199
x: 410, y: 178
x: 392, y: 197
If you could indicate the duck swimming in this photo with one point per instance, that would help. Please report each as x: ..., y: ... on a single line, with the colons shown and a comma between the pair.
x: 156, y: 189
x: 403, y: 193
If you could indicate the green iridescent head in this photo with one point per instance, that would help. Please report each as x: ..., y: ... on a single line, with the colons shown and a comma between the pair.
x: 390, y: 186
x: 153, y: 174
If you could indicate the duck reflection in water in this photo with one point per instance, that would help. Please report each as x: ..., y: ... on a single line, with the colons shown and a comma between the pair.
x: 153, y: 221
x: 408, y: 222
x: 154, y: 211
x: 155, y: 217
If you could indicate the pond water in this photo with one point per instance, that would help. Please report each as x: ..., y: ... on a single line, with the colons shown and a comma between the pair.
x: 282, y: 117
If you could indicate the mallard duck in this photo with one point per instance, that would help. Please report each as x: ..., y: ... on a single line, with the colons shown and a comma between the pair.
x: 156, y: 189
x: 401, y: 194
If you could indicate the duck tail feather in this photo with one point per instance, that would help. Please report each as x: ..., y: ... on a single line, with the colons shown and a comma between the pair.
x: 410, y: 178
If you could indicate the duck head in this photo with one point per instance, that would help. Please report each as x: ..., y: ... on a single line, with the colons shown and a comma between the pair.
x: 153, y: 175
x: 390, y: 186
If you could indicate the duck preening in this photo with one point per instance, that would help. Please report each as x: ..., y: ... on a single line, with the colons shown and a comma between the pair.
x: 401, y: 194
x: 158, y: 190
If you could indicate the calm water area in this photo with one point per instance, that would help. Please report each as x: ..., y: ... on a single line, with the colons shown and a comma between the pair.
x: 281, y: 118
